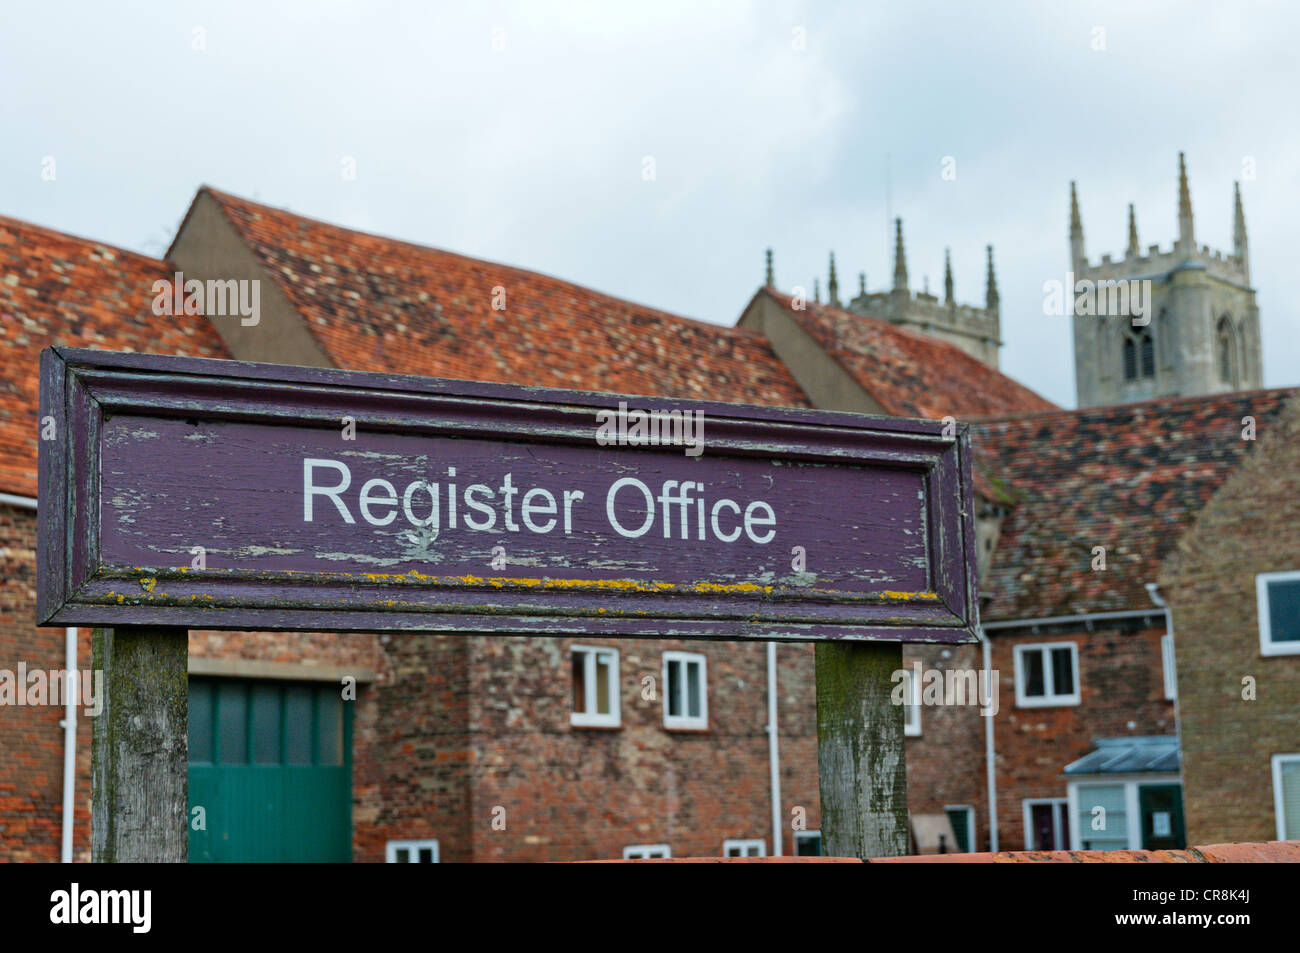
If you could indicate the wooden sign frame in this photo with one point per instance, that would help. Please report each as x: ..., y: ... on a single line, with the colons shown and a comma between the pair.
x: 83, y: 391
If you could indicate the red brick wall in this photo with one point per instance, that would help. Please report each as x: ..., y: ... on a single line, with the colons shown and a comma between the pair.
x: 411, y: 759
x: 945, y: 763
x: 31, y: 740
x: 574, y: 793
x: 1121, y: 688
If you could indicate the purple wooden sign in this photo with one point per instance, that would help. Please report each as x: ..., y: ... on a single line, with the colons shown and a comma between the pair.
x: 222, y: 494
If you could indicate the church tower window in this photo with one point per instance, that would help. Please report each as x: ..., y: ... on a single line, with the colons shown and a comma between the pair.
x: 1139, y: 354
x: 1227, y: 351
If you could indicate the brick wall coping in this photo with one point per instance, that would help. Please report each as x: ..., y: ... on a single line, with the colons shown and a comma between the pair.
x: 1268, y: 852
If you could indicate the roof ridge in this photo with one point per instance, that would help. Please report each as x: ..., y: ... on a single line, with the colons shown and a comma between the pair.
x: 24, y: 225
x: 1103, y: 409
x: 221, y: 196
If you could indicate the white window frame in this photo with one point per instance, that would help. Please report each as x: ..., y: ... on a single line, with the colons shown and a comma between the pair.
x: 1169, y: 666
x: 1282, y: 830
x: 589, y: 718
x: 744, y: 845
x: 1060, y: 805
x: 970, y: 825
x: 1132, y: 814
x: 912, y: 712
x: 1266, y: 644
x: 1050, y: 700
x: 646, y: 852
x: 686, y: 721
x: 413, y: 846
x: 804, y: 835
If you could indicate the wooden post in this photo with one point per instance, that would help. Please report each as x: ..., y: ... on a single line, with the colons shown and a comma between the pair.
x: 139, y: 780
x: 862, y: 767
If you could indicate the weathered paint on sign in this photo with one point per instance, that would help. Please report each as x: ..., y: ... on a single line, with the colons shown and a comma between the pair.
x: 221, y: 494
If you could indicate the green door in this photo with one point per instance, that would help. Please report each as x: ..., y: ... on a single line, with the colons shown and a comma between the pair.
x: 1161, y: 809
x: 271, y: 766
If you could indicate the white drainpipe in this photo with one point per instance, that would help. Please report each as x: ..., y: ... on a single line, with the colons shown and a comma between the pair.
x: 69, y: 725
x: 990, y: 752
x: 773, y: 751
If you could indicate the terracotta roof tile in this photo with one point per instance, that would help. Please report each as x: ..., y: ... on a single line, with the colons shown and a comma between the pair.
x: 385, y: 305
x: 56, y: 289
x: 1129, y: 477
x: 908, y: 373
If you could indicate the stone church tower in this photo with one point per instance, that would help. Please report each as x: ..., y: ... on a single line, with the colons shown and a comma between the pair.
x: 1203, y: 336
x: 976, y: 330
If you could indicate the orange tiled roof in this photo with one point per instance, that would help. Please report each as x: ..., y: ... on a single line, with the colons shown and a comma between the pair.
x: 908, y: 373
x: 1128, y: 477
x: 56, y: 289
x: 380, y: 304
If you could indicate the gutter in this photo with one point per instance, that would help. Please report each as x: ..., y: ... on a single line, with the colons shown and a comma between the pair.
x: 773, y: 751
x: 1061, y: 619
x: 69, y: 722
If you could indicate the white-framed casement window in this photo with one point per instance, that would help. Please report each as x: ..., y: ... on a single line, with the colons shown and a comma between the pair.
x: 686, y: 690
x: 1047, y: 823
x: 646, y: 851
x: 595, y: 687
x: 1115, y: 814
x: 1167, y: 662
x: 411, y: 852
x: 1286, y: 795
x: 911, y: 710
x: 1047, y: 674
x: 962, y: 818
x: 807, y: 843
x: 1279, y: 612
x: 744, y: 848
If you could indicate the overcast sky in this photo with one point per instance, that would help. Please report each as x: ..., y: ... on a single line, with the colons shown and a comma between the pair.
x: 533, y: 154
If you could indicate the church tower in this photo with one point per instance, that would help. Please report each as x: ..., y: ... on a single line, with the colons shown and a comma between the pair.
x: 976, y: 330
x: 1203, y: 333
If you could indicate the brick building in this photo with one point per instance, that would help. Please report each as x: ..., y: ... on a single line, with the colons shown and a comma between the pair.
x: 1233, y: 586
x: 525, y: 748
x: 448, y: 739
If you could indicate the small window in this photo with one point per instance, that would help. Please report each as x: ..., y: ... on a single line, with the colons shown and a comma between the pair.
x: 646, y: 852
x: 1139, y: 354
x: 412, y: 852
x: 807, y: 843
x: 744, y: 848
x: 1279, y: 612
x: 686, y: 700
x: 1047, y: 823
x: 1227, y: 351
x: 1047, y: 674
x: 1167, y: 662
x: 595, y: 687
x: 962, y: 818
x: 1286, y: 795
x: 911, y: 710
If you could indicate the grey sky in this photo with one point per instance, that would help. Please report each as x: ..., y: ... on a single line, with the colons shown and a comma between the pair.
x: 532, y: 155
